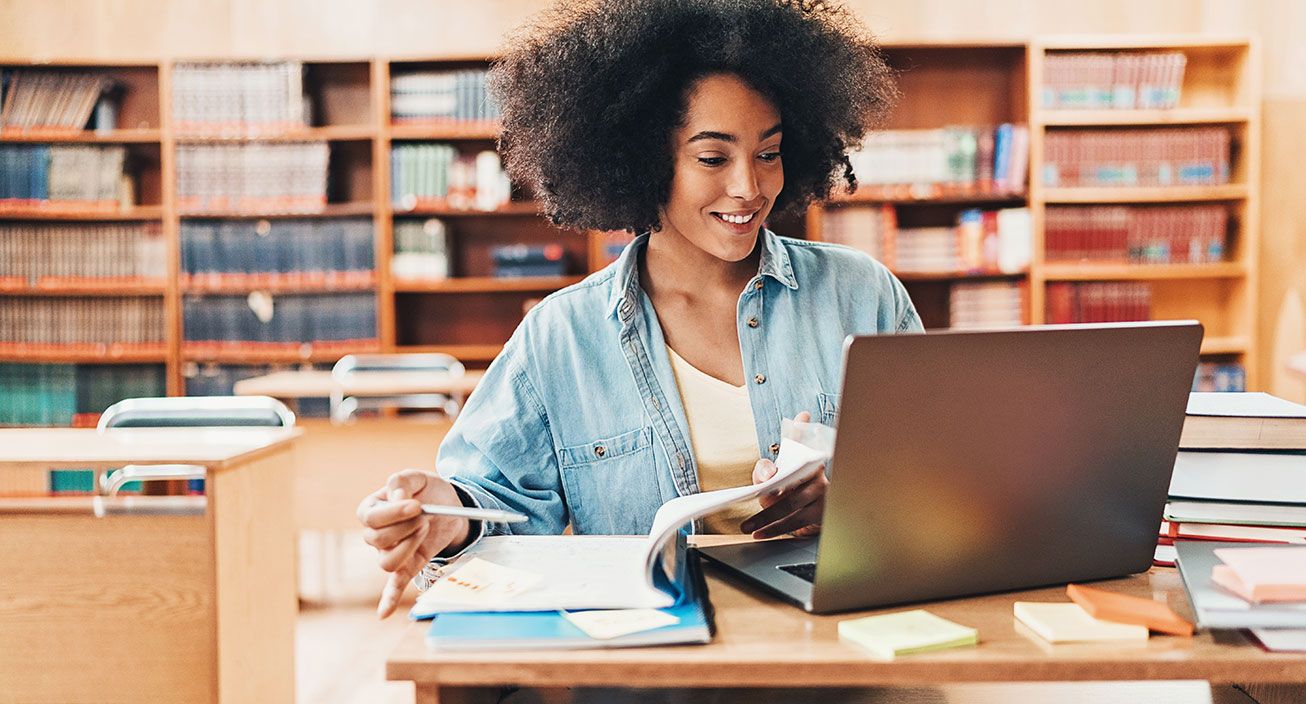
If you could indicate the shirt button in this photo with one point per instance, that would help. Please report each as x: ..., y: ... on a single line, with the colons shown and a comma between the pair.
x: 760, y: 378
x: 600, y: 450
x: 752, y: 322
x: 775, y: 448
x: 758, y: 285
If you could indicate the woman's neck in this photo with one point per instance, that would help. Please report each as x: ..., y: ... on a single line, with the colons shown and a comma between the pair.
x: 673, y: 266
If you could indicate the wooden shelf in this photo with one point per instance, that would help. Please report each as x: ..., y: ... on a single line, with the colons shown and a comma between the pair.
x: 445, y: 132
x: 1168, y: 194
x: 111, y: 354
x: 1225, y: 345
x: 87, y: 288
x: 907, y: 276
x: 331, y: 133
x: 229, y: 288
x: 903, y: 197
x: 1176, y: 116
x: 308, y: 353
x: 331, y: 210
x: 1096, y: 42
x: 1088, y: 271
x: 464, y: 353
x: 138, y: 213
x: 486, y: 284
x: 44, y: 136
x: 526, y: 209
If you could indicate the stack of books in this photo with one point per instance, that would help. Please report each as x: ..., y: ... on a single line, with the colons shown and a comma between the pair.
x: 54, y: 255
x: 1098, y: 301
x: 1190, y: 234
x: 439, y: 97
x: 438, y: 176
x: 947, y: 161
x: 64, y: 176
x: 1241, y: 471
x: 252, y: 98
x: 271, y: 177
x: 43, y: 99
x: 981, y: 241
x: 1113, y: 80
x: 421, y: 250
x: 1235, y: 585
x: 217, y: 254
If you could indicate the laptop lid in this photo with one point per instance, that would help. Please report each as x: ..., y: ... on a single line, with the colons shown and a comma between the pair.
x: 973, y: 462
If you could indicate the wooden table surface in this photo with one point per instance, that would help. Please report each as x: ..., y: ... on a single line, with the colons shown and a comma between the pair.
x: 319, y: 384
x: 216, y: 448
x: 762, y: 642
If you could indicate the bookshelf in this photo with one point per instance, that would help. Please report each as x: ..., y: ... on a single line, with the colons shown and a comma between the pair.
x: 472, y: 312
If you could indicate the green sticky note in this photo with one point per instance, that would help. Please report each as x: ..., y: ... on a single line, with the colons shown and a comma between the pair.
x: 906, y: 632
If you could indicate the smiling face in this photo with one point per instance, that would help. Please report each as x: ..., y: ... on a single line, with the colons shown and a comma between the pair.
x: 727, y: 170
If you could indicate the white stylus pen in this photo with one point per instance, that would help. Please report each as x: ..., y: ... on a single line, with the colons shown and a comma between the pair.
x: 476, y: 514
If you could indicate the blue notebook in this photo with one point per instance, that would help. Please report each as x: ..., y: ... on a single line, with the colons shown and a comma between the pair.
x: 531, y: 630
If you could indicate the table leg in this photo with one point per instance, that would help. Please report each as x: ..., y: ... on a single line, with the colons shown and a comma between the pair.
x: 1274, y: 693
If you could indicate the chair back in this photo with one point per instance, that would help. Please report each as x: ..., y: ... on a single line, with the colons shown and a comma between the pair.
x: 417, y: 368
x: 197, y: 412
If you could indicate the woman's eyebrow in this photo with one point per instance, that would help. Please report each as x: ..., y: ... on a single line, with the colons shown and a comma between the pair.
x: 727, y: 137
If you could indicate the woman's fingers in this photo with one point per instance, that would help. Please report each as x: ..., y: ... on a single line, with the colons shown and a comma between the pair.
x: 804, y: 520
x: 403, y: 552
x: 387, y: 537
x: 787, y: 503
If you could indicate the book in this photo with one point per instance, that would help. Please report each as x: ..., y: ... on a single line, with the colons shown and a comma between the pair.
x: 689, y: 621
x: 1070, y: 623
x: 1282, y: 640
x: 1217, y: 608
x: 1233, y: 513
x: 1123, y: 608
x: 1232, y: 532
x: 621, y: 571
x: 1263, y: 575
x: 906, y: 632
x: 1262, y: 477
x: 1249, y: 420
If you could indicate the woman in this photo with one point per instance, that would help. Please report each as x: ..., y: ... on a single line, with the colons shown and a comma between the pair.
x: 668, y: 372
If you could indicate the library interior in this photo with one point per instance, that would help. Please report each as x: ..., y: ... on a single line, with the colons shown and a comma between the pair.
x: 281, y: 284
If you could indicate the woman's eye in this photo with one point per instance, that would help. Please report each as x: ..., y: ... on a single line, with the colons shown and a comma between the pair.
x: 711, y: 160
x: 769, y: 156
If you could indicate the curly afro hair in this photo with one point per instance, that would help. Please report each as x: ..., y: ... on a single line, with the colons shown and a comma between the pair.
x: 591, y: 93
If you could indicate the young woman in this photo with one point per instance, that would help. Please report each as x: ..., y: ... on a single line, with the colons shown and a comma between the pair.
x: 689, y: 122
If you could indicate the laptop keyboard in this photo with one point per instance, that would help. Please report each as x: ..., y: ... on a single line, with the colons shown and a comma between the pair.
x: 803, y: 570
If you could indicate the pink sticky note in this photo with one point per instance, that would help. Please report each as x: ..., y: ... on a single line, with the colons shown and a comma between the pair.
x: 1263, y: 574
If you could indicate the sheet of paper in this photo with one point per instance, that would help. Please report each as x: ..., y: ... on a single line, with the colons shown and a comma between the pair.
x: 1254, y: 404
x: 577, y: 572
x: 1067, y: 622
x: 1291, y: 640
x: 480, y: 583
x: 605, y: 625
x: 1266, y: 565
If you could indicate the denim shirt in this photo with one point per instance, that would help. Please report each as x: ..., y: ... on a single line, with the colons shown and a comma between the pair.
x: 579, y: 419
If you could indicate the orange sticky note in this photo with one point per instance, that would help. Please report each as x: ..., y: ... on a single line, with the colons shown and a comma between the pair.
x: 1123, y: 608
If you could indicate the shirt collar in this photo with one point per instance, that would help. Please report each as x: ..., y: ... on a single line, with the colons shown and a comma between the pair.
x: 774, y: 263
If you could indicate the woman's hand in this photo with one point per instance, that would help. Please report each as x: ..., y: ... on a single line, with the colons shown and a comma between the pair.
x: 405, y: 537
x: 796, y: 510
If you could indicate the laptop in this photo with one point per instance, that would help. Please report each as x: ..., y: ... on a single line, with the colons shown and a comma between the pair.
x: 985, y: 461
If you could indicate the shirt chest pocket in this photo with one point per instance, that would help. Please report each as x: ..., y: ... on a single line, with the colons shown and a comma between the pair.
x: 828, y: 406
x: 609, y: 472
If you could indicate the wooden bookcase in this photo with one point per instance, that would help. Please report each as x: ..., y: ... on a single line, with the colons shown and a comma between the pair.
x: 471, y: 314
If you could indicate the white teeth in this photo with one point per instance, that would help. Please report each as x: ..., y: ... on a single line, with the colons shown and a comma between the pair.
x: 736, y: 219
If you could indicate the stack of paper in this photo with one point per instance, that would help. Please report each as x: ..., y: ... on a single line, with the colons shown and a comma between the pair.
x: 1263, y: 575
x: 1070, y: 623
x: 906, y: 632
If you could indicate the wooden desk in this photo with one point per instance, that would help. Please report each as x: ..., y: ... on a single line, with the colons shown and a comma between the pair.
x: 131, y: 607
x: 319, y: 384
x: 761, y: 642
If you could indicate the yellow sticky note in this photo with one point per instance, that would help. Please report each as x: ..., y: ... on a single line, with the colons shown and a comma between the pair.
x: 905, y: 632
x: 613, y: 623
x: 481, y: 583
x: 1068, y: 622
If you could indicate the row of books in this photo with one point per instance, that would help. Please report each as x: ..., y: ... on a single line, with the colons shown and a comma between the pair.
x: 66, y: 253
x: 981, y: 241
x: 438, y: 176
x: 63, y: 173
x: 441, y: 96
x: 1113, y: 80
x: 246, y: 98
x: 1171, y: 156
x: 271, y: 177
x: 72, y: 394
x: 1189, y: 234
x: 1098, y: 301
x: 986, y: 304
x: 271, y: 252
x: 128, y: 322
x: 43, y: 99
x: 956, y: 159
x: 279, y: 322
x: 220, y: 380
x: 421, y: 250
x: 1220, y: 376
